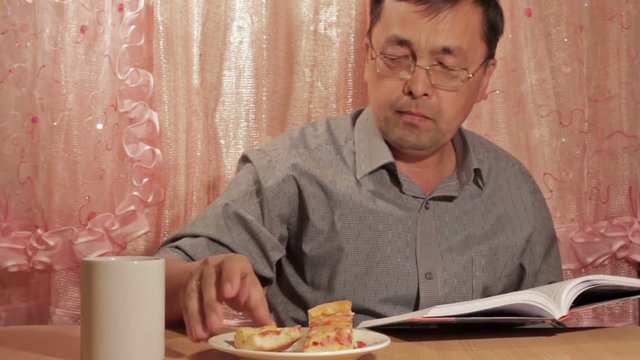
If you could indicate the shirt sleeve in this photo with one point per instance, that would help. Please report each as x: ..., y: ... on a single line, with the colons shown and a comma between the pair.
x: 250, y: 218
x: 541, y: 260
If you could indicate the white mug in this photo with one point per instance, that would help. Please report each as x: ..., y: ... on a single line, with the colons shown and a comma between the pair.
x: 122, y: 308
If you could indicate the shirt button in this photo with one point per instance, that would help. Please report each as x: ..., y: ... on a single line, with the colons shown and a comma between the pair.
x: 428, y: 275
x: 426, y: 205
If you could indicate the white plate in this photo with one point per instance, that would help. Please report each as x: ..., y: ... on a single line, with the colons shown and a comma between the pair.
x: 373, y: 340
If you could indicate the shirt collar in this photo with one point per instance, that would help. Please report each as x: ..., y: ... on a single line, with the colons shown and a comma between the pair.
x: 372, y: 152
x: 467, y: 165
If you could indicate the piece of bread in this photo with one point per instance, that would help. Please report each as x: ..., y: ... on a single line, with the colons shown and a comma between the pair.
x: 266, y: 338
x: 330, y: 327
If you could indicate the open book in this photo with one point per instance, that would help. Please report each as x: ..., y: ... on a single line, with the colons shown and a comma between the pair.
x: 551, y: 302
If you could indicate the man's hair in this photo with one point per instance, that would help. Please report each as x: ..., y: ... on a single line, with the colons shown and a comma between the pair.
x: 493, y: 19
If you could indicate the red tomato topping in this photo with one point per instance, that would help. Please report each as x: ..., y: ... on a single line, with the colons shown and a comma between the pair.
x: 268, y: 332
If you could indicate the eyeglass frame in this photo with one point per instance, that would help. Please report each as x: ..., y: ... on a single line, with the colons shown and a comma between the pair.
x: 427, y: 68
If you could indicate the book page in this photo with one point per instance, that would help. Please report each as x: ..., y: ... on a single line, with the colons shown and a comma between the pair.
x: 557, y: 291
x: 525, y: 303
x: 473, y: 323
x: 599, y: 289
x: 518, y: 303
x: 592, y: 289
x: 547, y: 301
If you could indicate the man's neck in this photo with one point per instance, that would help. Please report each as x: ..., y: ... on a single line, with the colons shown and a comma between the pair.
x: 427, y: 171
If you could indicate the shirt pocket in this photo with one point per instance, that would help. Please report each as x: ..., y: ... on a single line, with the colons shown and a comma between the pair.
x: 496, y: 270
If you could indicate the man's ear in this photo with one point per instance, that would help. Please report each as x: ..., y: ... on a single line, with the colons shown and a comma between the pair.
x: 486, y: 76
x: 367, y: 58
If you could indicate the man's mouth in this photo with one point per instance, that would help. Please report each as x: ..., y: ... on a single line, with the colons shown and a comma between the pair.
x: 413, y: 116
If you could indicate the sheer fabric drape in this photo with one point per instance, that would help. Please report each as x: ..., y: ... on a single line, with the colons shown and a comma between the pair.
x: 121, y: 120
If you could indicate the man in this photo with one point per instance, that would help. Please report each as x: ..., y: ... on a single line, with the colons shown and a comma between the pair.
x: 394, y: 207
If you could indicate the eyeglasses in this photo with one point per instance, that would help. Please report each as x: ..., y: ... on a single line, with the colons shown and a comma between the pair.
x: 403, y: 67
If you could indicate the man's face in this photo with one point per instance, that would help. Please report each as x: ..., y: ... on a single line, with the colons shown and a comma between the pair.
x: 414, y: 117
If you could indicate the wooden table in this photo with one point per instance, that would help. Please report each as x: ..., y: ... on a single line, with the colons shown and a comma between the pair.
x: 42, y: 342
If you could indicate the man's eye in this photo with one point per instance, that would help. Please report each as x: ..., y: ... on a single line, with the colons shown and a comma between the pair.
x: 446, y: 67
x: 395, y: 60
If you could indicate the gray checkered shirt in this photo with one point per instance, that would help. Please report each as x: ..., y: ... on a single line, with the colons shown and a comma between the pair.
x: 324, y: 214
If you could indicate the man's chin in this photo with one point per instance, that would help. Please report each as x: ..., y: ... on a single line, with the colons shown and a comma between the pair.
x: 411, y: 147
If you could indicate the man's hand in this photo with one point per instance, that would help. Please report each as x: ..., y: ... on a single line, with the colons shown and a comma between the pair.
x: 207, y: 285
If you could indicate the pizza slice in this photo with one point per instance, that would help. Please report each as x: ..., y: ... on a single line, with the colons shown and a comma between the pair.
x: 330, y: 327
x: 266, y: 338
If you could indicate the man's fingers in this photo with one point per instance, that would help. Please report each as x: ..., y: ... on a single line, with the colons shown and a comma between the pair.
x: 192, y: 310
x: 251, y: 300
x: 212, y: 301
x: 233, y: 269
x: 242, y: 290
x: 256, y: 302
x: 187, y: 324
x: 218, y: 280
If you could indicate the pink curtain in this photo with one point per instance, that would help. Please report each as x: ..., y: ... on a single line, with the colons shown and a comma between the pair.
x: 121, y: 120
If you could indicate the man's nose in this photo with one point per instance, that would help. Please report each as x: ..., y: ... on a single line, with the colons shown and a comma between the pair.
x: 419, y: 84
